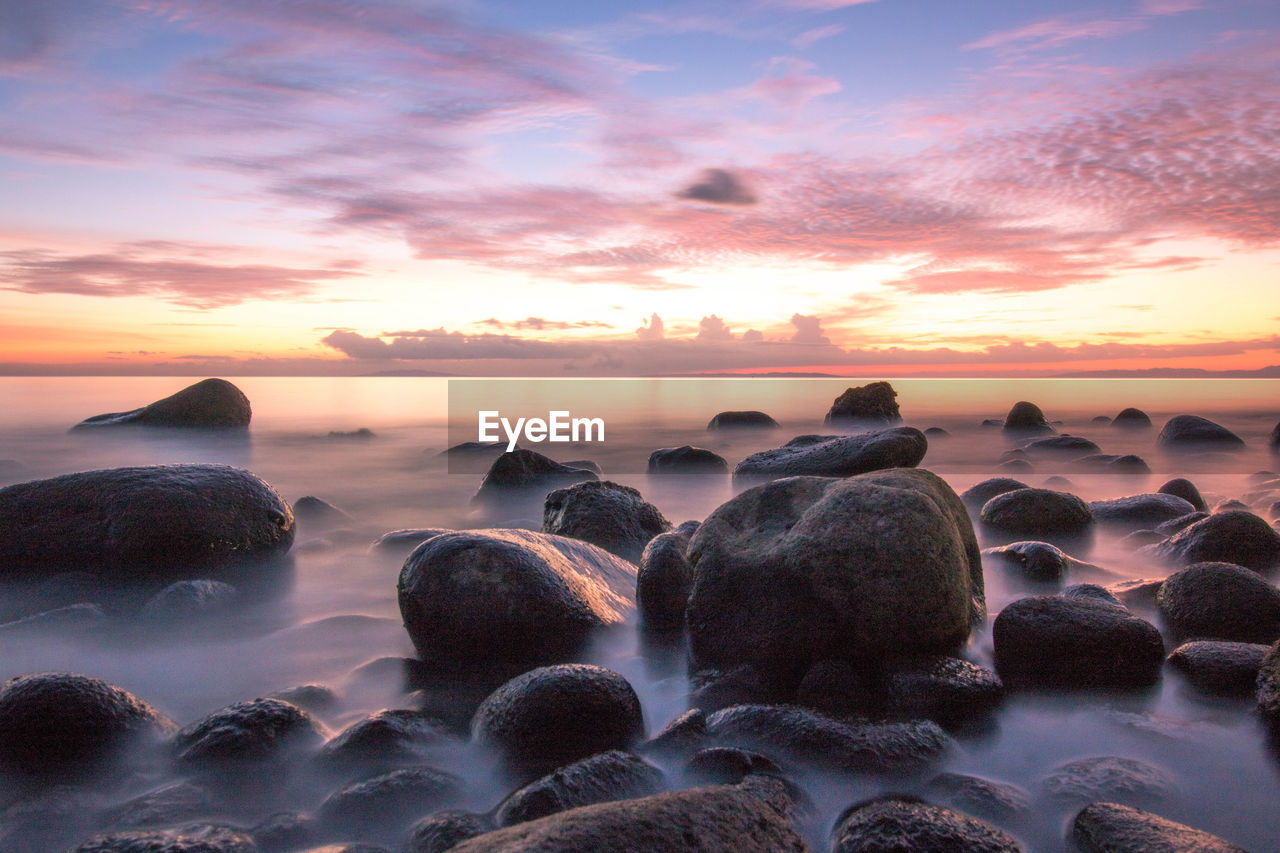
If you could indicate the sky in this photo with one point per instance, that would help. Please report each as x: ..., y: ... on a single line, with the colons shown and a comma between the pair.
x: 572, y: 188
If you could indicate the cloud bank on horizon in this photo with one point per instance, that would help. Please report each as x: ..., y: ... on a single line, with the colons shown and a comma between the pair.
x: 494, y: 187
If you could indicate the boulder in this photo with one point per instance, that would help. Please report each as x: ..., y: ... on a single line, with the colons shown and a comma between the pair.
x: 601, y: 778
x: 1132, y: 418
x: 509, y: 598
x: 948, y: 690
x: 835, y: 456
x: 1091, y: 592
x: 741, y: 420
x: 1108, y: 777
x: 1109, y: 463
x: 401, y: 542
x: 681, y: 737
x: 664, y: 581
x: 1037, y: 512
x: 1273, y: 441
x: 1219, y: 666
x: 1137, y: 511
x: 1026, y: 418
x: 201, y: 838
x: 167, y: 521
x: 1190, y: 432
x: 316, y: 698
x: 727, y: 765
x: 62, y: 725
x: 193, y: 599
x: 936, y: 432
x: 874, y: 403
x: 879, y: 565
x: 1037, y: 561
x: 1172, y: 526
x: 210, y: 404
x: 1111, y: 828
x: 175, y: 803
x: 259, y: 731
x: 996, y: 800
x: 687, y: 459
x: 1063, y: 446
x: 316, y: 513
x: 613, y: 517
x: 894, y: 822
x: 1233, y: 536
x: 384, y: 804
x: 1268, y: 686
x: 525, y: 475
x: 386, y: 739
x: 1221, y: 601
x: 976, y: 496
x: 445, y: 830
x: 1185, y: 489
x: 1047, y: 640
x: 555, y: 715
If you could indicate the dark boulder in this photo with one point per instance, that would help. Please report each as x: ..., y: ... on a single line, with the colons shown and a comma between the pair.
x: 714, y: 689
x: 882, y: 564
x: 1108, y: 777
x: 681, y: 737
x: 193, y: 599
x: 445, y: 830
x: 687, y: 459
x: 315, y: 698
x: 1037, y: 561
x: 1115, y: 828
x: 948, y: 690
x: 1026, y: 418
x: 1173, y: 525
x: 175, y: 803
x: 1108, y: 463
x: 316, y: 513
x: 1052, y: 641
x: 936, y: 432
x: 838, y: 456
x: 61, y: 725
x: 664, y: 581
x: 613, y: 517
x: 555, y: 715
x: 201, y: 838
x: 727, y: 765
x: 1132, y: 418
x: 1036, y: 512
x: 602, y: 778
x: 263, y: 731
x: 1233, y: 536
x: 985, y: 797
x: 1185, y: 489
x: 210, y: 404
x: 1189, y: 432
x: 1063, y: 446
x: 1273, y: 441
x: 401, y: 542
x: 525, y: 475
x: 873, y: 403
x: 1091, y: 592
x: 1220, y: 666
x: 1221, y: 601
x: 385, y: 804
x: 1137, y: 511
x: 896, y: 823
x: 1268, y: 686
x: 163, y: 520
x: 976, y: 496
x: 740, y: 420
x: 386, y: 739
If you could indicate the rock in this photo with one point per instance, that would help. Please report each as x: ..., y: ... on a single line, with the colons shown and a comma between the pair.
x: 1189, y: 432
x: 837, y: 688
x: 996, y: 800
x: 739, y: 420
x: 315, y: 698
x: 1226, y: 537
x: 714, y: 689
x: 976, y: 496
x: 445, y: 830
x: 1221, y: 601
x: 1139, y: 592
x: 948, y: 690
x: 1273, y: 441
x: 613, y: 517
x: 840, y: 456
x: 716, y: 819
x: 1037, y: 561
x: 1132, y: 419
x: 1026, y: 417
x: 555, y: 715
x: 1136, y: 511
x: 256, y: 731
x: 1037, y: 512
x: 893, y: 823
x: 1127, y: 464
x: 1185, y: 489
x: 602, y: 778
x: 1100, y: 419
x: 664, y: 581
x: 1114, y: 828
x: 936, y: 432
x: 1268, y: 685
x: 1168, y: 528
x: 202, y: 838
x: 1016, y: 466
x: 361, y: 434
x: 687, y: 459
x: 286, y: 831
x: 1091, y: 592
x: 791, y: 734
x: 183, y: 600
x: 679, y: 738
x: 311, y: 511
x: 882, y: 564
x: 1063, y: 446
x: 401, y: 542
x: 162, y: 520
x: 1228, y: 505
x: 1108, y: 777
x: 1046, y: 640
x: 74, y: 617
x: 509, y: 598
x: 523, y: 474
x: 585, y: 465
x: 60, y: 725
x: 727, y: 765
x: 384, y: 740
x: 1218, y: 666
x: 178, y: 802
x: 210, y: 404
x: 873, y: 403
x: 384, y: 804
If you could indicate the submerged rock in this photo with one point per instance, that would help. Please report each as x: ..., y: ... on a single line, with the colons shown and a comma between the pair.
x: 835, y: 456
x: 523, y: 474
x: 1026, y: 417
x: 384, y: 804
x: 948, y: 690
x: 613, y: 517
x: 445, y: 830
x: 1221, y: 601
x: 602, y: 778
x: 893, y: 823
x: 1268, y: 686
x: 737, y: 420
x: 1037, y: 561
x: 191, y: 599
x: 664, y: 581
x: 1132, y: 419
x: 1037, y: 511
x: 403, y: 541
x: 1185, y: 489
x: 1063, y: 446
x: 1137, y: 511
x: 257, y: 731
x: 385, y: 739
x: 1233, y: 536
x: 210, y: 404
x: 687, y: 460
x: 201, y: 838
x: 1111, y: 827
x: 1273, y: 441
x: 1219, y: 666
x: 1108, y: 777
x: 155, y: 521
x: 976, y: 496
x: 1196, y: 433
x: 874, y: 403
x: 882, y: 564
x: 996, y: 800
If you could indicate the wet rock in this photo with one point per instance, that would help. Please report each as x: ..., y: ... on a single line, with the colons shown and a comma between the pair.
x: 837, y: 688
x: 602, y: 778
x: 193, y: 599
x: 585, y: 465
x: 549, y: 717
x: 1016, y: 466
x: 739, y: 420
x: 840, y: 456
x: 386, y: 739
x: 203, y: 838
x: 1141, y: 538
x: 505, y: 599
x: 1047, y: 640
x: 1273, y: 441
x: 727, y: 765
x: 523, y: 474
x: 1109, y: 777
x: 1218, y: 666
x: 613, y: 517
x: 796, y: 735
x: 893, y: 823
x: 60, y: 725
x: 976, y: 496
x: 936, y: 432
x: 1026, y: 417
x: 1226, y: 537
x: 1115, y: 828
x: 285, y: 831
x: 1063, y: 446
x: 1139, y: 592
x: 664, y: 581
x: 1136, y: 511
x: 687, y: 460
x: 1232, y: 504
x: 445, y: 830
x: 1221, y: 601
x: 1091, y: 592
x: 313, y: 512
x: 877, y: 565
x: 1132, y: 419
x: 361, y: 434
x: 383, y: 805
x: 715, y: 818
x: 1100, y: 419
x: 401, y: 542
x: 1037, y: 511
x: 682, y: 736
x: 1109, y: 463
x: 155, y: 521
x: 873, y: 403
x: 315, y: 698
x: 1185, y: 489
x: 714, y: 689
x: 984, y: 797
x: 256, y: 731
x: 1268, y: 686
x: 1037, y: 561
x: 1168, y: 528
x: 209, y: 404
x: 175, y: 803
x: 948, y: 690
x: 1190, y: 432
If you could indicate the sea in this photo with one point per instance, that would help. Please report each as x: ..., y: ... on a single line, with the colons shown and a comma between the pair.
x: 372, y: 446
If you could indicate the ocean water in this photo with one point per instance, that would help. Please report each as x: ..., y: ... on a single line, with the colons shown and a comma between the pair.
x: 337, y: 608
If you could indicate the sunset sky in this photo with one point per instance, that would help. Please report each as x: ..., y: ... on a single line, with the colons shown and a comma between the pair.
x: 516, y: 187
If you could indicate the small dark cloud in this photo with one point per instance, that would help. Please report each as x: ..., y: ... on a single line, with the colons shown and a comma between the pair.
x: 542, y: 324
x: 719, y: 186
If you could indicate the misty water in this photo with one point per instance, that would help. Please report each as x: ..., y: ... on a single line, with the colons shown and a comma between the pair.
x: 335, y: 610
